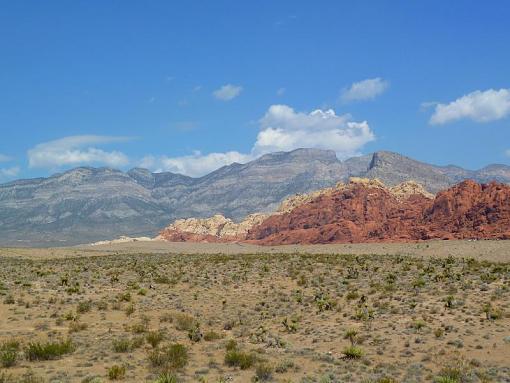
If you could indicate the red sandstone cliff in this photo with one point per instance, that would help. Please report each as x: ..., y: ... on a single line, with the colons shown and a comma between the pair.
x: 361, y: 214
x: 365, y: 211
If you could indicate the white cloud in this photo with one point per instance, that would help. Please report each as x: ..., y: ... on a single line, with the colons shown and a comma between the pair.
x: 479, y: 106
x: 507, y: 152
x: 4, y: 158
x: 365, y: 90
x: 76, y: 150
x: 281, y: 129
x: 280, y: 91
x: 9, y: 172
x: 196, y: 164
x: 227, y: 92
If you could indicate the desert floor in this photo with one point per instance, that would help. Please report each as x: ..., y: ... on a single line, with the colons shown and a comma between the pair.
x: 162, y: 312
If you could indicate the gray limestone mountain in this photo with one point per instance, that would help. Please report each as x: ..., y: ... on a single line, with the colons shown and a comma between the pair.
x: 91, y: 204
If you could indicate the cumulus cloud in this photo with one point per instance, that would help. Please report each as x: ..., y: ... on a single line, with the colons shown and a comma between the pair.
x: 9, y: 172
x: 365, y: 90
x: 479, y: 106
x: 281, y: 129
x: 76, y: 150
x: 227, y: 92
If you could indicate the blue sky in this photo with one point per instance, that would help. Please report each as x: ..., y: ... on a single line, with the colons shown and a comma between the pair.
x: 189, y: 87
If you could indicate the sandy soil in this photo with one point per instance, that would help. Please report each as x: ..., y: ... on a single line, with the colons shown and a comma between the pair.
x: 493, y: 251
x: 420, y: 312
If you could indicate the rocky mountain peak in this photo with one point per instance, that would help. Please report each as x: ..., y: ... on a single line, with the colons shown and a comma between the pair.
x: 89, y: 204
x: 143, y: 177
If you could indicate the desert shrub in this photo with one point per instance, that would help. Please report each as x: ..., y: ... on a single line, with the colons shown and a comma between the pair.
x: 291, y: 326
x: 77, y: 326
x: 456, y: 371
x: 154, y: 338
x: 364, y: 314
x: 212, y: 335
x: 140, y: 327
x: 116, y: 372
x: 445, y: 379
x: 130, y: 309
x: 418, y: 324
x: 302, y: 280
x: 137, y: 342
x: 351, y: 295
x: 124, y: 297
x: 449, y: 302
x: 449, y: 375
x: 419, y: 283
x: 121, y: 345
x: 285, y: 366
x: 70, y: 316
x: 184, y: 322
x: 166, y: 377
x: 386, y: 380
x: 75, y: 289
x: 84, y: 307
x: 231, y: 344
x: 236, y: 358
x: 492, y: 313
x: 194, y: 334
x: 11, y: 344
x: 353, y: 352
x: 263, y: 372
x: 324, y: 302
x: 172, y: 357
x: 352, y: 335
x: 49, y: 350
x: 8, y: 358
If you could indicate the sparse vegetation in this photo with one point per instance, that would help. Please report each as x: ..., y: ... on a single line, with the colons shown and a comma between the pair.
x: 284, y: 317
x: 116, y: 372
x: 353, y: 352
x: 48, y: 350
x: 171, y: 357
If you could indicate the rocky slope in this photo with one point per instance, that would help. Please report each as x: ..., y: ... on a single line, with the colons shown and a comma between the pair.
x: 367, y: 212
x: 91, y: 204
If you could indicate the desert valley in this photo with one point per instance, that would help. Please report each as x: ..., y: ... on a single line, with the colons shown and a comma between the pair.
x: 355, y: 282
x: 254, y: 191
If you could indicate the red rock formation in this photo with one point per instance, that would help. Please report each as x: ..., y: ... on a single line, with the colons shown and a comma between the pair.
x: 355, y: 214
x: 470, y: 210
x: 365, y: 211
x: 368, y: 214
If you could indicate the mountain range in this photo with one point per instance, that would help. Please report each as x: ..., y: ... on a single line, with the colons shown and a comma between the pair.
x: 88, y: 204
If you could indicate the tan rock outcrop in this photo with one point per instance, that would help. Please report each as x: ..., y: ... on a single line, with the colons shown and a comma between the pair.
x: 406, y: 189
x: 214, y: 229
